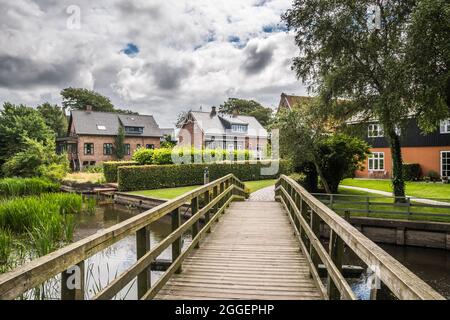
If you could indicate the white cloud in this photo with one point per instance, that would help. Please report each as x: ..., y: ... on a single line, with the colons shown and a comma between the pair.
x: 185, y: 56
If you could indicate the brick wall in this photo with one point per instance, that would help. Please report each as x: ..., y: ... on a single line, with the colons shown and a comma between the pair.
x: 98, y: 142
x: 191, y: 136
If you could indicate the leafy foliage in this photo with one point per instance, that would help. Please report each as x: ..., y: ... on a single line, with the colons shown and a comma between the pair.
x: 79, y: 98
x: 168, y: 176
x: 119, y: 145
x: 110, y: 169
x: 412, y: 171
x: 54, y: 118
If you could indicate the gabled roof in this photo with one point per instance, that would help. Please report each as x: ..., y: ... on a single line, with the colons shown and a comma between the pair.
x: 107, y: 123
x: 290, y: 101
x: 220, y: 124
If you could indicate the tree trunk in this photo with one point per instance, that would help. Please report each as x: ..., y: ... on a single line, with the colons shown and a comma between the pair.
x: 322, y: 178
x: 397, y: 167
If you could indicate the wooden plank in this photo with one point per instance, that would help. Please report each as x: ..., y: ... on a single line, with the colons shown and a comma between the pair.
x: 142, y: 247
x: 244, y: 260
x: 402, y: 282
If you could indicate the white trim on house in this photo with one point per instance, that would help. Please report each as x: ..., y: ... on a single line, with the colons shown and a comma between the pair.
x: 444, y: 127
x: 378, y: 158
x: 442, y: 163
x: 375, y: 130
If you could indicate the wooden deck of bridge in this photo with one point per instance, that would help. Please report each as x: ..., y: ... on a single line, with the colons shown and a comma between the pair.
x: 252, y: 253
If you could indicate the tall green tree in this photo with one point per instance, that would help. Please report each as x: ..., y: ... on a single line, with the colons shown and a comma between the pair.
x: 79, y: 98
x: 18, y: 122
x: 54, y: 118
x: 119, y: 144
x: 344, y: 56
x: 247, y: 108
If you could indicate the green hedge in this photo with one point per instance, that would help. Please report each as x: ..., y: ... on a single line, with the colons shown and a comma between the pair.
x: 168, y: 176
x: 411, y: 171
x: 110, y: 169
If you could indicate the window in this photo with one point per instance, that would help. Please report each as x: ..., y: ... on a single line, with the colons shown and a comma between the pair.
x: 375, y: 130
x: 230, y: 147
x: 127, y: 149
x: 101, y: 127
x: 376, y: 161
x: 88, y: 148
x: 239, y: 128
x: 445, y: 126
x: 107, y: 148
x: 445, y: 163
x: 150, y: 146
x: 134, y: 129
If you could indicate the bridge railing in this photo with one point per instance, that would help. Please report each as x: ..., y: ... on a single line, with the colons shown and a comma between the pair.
x: 307, y: 214
x: 208, y: 202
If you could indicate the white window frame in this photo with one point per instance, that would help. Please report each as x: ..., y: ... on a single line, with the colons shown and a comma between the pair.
x: 239, y: 128
x: 442, y: 163
x: 371, y: 130
x: 375, y: 157
x: 444, y: 127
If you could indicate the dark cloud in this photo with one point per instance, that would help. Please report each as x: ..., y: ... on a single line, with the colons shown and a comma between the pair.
x: 168, y: 76
x: 17, y: 72
x: 257, y: 59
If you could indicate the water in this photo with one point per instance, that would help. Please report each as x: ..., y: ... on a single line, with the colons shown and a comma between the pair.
x: 432, y: 265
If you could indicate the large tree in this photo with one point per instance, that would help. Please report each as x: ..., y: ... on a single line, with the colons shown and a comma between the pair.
x: 54, y: 118
x: 79, y: 98
x: 248, y: 108
x: 18, y: 122
x: 342, y: 55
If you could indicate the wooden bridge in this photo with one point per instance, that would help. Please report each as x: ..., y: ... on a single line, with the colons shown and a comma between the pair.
x: 243, y: 250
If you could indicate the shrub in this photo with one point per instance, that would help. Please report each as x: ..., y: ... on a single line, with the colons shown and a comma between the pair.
x: 411, y: 171
x: 143, y: 156
x: 162, y: 156
x: 15, y: 187
x: 168, y: 176
x: 433, y: 176
x: 110, y: 169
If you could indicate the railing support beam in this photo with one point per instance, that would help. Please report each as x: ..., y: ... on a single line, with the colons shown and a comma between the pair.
x: 142, y: 247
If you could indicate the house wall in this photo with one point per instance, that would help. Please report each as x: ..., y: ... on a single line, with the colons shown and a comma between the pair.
x: 191, y: 135
x: 98, y: 142
x: 429, y: 159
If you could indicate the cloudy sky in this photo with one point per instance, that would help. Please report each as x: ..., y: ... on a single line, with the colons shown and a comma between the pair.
x: 154, y: 57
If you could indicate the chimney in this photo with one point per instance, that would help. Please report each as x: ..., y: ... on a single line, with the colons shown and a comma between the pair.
x: 235, y: 113
x: 88, y: 108
x: 213, y: 111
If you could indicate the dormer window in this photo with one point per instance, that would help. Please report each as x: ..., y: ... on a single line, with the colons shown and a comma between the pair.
x: 238, y: 128
x: 375, y: 130
x: 445, y: 126
x: 101, y: 127
x: 134, y: 130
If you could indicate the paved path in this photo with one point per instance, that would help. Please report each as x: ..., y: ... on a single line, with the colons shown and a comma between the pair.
x: 252, y: 253
x: 389, y: 194
x: 264, y: 194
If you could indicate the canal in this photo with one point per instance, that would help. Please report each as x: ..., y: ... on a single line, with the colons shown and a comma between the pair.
x: 432, y: 265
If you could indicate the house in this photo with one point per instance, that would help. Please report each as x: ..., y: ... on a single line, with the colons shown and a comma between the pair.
x: 168, y: 134
x: 211, y: 130
x: 288, y: 102
x: 92, y: 135
x: 431, y: 151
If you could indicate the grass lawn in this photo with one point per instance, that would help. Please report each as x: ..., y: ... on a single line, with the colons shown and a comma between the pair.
x: 415, y: 189
x: 170, y: 193
x: 386, y: 204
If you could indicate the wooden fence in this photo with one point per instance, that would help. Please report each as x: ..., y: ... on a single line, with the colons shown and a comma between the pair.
x: 208, y: 202
x: 307, y: 214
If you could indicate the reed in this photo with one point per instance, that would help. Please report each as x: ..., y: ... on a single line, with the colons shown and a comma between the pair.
x: 6, y: 244
x: 16, y: 187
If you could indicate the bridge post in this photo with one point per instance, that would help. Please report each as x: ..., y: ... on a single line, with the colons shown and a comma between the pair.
x: 72, y: 282
x: 177, y: 244
x: 142, y: 247
x: 195, y: 226
x: 336, y: 251
x: 315, y: 226
x: 216, y: 206
x: 208, y: 213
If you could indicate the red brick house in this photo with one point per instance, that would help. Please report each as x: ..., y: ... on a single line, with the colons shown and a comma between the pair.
x: 431, y: 151
x: 91, y: 136
x: 211, y: 130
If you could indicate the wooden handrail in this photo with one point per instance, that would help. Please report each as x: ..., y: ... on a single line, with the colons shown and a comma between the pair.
x: 402, y: 282
x: 32, y: 274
